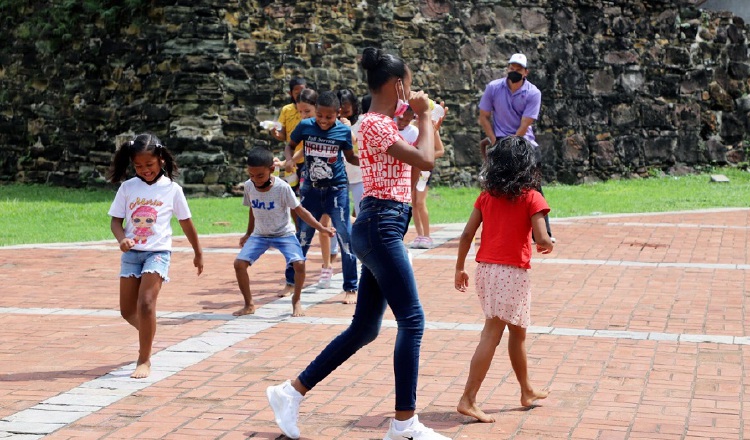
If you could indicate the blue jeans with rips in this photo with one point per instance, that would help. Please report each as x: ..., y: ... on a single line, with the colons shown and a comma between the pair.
x: 334, y: 201
x: 387, y: 280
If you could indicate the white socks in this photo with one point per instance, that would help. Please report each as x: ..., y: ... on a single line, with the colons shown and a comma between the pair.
x: 289, y: 389
x: 402, y: 425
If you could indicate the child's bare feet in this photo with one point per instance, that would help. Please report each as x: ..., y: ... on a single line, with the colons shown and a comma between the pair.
x: 528, y: 399
x: 247, y: 310
x: 142, y: 370
x: 297, y: 309
x: 350, y: 297
x: 288, y: 289
x: 468, y: 408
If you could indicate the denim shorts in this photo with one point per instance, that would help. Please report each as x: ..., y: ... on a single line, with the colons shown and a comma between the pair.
x: 255, y: 246
x: 136, y: 263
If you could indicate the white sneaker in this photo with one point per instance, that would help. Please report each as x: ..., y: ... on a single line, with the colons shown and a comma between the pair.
x: 285, y: 409
x: 324, y: 282
x: 416, y: 431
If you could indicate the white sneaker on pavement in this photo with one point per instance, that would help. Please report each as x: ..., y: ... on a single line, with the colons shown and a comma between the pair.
x: 417, y: 431
x: 324, y: 282
x: 285, y: 407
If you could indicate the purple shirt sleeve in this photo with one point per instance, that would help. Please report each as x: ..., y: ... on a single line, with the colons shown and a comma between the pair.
x: 486, y: 102
x: 533, y: 105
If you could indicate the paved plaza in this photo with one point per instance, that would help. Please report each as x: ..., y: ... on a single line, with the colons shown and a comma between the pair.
x: 639, y: 329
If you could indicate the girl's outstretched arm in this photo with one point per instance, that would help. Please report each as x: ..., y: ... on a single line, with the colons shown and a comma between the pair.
x: 462, y: 278
x: 192, y: 235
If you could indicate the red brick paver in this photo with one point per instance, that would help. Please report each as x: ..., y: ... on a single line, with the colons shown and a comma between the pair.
x: 668, y: 275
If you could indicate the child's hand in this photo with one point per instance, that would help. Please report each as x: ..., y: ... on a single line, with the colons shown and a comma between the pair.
x: 126, y: 244
x: 198, y: 262
x: 345, y: 121
x: 278, y: 162
x: 330, y: 231
x: 462, y: 280
x: 542, y: 249
x: 243, y: 239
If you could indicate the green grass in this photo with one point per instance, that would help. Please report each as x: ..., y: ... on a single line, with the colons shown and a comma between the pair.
x: 43, y: 214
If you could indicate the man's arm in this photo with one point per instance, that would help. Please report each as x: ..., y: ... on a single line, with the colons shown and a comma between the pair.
x: 525, y: 124
x: 485, y: 121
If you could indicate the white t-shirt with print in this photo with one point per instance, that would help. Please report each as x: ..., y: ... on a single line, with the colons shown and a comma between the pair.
x: 271, y: 208
x: 148, y: 210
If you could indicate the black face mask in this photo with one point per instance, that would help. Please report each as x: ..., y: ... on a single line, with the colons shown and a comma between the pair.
x: 515, y: 77
x: 161, y: 173
x: 264, y: 186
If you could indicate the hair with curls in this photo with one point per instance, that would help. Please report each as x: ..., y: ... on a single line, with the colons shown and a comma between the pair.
x: 381, y: 67
x: 142, y: 143
x: 510, y: 168
x: 347, y: 95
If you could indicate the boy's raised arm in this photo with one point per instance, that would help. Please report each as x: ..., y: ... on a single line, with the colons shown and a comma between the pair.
x: 351, y: 157
x: 308, y: 218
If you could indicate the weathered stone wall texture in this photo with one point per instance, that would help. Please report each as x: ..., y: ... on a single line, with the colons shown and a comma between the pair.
x: 628, y: 85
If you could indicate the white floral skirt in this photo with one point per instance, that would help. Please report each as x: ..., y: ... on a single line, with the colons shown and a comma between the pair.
x: 504, y: 292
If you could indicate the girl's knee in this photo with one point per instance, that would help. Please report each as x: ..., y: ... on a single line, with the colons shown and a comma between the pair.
x: 299, y: 266
x: 147, y: 306
x: 365, y: 333
x: 517, y: 334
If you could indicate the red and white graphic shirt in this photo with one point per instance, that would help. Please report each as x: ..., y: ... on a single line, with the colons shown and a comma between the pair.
x: 383, y: 176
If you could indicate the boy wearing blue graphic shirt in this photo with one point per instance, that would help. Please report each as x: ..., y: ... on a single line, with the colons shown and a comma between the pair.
x: 269, y: 225
x: 324, y: 190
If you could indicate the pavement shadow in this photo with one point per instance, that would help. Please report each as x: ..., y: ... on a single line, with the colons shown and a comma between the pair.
x: 61, y: 374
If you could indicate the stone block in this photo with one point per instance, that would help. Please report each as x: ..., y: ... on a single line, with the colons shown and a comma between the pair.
x: 534, y: 21
x: 575, y: 148
x: 719, y: 178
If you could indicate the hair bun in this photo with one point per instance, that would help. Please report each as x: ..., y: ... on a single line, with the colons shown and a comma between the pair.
x: 371, y: 57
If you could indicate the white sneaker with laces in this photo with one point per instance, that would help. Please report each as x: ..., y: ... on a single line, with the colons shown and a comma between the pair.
x: 417, y: 431
x: 285, y: 408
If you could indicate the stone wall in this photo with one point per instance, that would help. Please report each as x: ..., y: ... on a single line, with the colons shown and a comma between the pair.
x: 628, y: 85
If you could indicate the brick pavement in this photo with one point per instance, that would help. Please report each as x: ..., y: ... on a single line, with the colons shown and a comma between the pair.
x: 639, y: 330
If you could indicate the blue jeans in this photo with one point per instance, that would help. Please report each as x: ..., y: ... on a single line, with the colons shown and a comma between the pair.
x: 334, y: 201
x: 387, y: 280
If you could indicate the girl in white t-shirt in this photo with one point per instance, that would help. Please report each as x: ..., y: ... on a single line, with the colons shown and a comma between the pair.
x: 146, y: 204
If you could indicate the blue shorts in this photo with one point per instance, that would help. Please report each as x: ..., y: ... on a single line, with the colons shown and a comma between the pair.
x: 255, y: 246
x: 136, y: 263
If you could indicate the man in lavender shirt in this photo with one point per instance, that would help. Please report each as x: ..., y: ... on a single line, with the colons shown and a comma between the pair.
x: 508, y: 108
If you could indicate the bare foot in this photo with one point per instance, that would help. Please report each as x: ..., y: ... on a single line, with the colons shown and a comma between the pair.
x: 528, y: 399
x: 470, y: 409
x: 247, y: 310
x: 350, y: 297
x: 288, y: 289
x: 297, y: 310
x: 142, y: 370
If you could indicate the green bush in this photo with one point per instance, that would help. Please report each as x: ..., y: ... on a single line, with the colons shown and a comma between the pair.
x: 60, y: 21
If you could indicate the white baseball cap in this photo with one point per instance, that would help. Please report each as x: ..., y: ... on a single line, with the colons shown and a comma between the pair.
x: 518, y: 58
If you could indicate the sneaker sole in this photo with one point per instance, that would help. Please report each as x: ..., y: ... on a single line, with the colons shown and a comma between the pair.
x: 269, y: 396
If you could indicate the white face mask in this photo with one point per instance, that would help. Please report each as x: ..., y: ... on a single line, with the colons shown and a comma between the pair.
x: 401, y: 104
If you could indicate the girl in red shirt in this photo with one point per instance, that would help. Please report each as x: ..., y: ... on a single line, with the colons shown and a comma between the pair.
x: 509, y: 199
